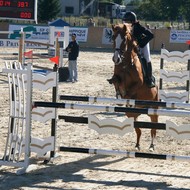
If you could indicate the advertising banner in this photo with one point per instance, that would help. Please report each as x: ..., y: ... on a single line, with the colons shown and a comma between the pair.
x: 38, y: 34
x: 107, y: 36
x: 179, y: 36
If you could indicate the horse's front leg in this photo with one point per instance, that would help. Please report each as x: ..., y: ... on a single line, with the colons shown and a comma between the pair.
x: 138, y: 133
x: 154, y: 119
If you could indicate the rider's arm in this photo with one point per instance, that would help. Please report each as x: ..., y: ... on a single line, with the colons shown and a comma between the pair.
x: 142, y: 35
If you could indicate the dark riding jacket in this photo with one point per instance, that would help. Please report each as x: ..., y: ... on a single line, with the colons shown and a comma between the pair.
x: 74, y: 50
x: 141, y: 34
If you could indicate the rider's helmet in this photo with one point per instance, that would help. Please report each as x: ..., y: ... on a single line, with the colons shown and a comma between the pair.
x: 130, y: 17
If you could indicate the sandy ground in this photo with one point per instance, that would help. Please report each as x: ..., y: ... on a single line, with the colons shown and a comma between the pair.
x: 94, y: 172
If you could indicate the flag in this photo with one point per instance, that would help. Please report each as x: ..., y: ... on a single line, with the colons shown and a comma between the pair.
x: 28, y: 54
x: 55, y: 59
x: 188, y: 42
x: 58, y: 34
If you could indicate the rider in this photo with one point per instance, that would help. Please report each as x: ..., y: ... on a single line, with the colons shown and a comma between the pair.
x: 142, y: 36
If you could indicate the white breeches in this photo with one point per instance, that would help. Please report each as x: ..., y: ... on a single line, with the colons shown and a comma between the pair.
x: 145, y: 52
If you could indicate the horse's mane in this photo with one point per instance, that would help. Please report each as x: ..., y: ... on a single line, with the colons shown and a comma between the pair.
x: 125, y: 31
x: 122, y: 26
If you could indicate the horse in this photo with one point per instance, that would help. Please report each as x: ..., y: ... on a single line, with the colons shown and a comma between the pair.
x: 128, y: 78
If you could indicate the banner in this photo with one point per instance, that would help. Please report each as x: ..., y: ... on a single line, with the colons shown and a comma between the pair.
x: 107, y: 36
x: 179, y: 36
x: 81, y: 33
x: 42, y: 32
x: 37, y: 32
x: 15, y: 44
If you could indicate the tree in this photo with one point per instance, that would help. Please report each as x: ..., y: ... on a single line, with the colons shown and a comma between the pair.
x: 120, y: 2
x: 149, y: 10
x: 170, y: 9
x: 186, y: 10
x: 48, y: 10
x: 160, y: 9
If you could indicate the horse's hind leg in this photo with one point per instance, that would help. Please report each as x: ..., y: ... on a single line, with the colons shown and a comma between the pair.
x: 153, y: 132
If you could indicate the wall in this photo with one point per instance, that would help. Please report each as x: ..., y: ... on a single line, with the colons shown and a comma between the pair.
x: 94, y: 39
x: 161, y: 36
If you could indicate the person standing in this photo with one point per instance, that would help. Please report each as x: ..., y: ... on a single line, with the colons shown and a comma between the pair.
x: 143, y: 36
x: 73, y: 50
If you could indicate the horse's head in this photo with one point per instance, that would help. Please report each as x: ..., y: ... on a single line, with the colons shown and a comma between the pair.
x: 123, y: 58
x: 120, y: 35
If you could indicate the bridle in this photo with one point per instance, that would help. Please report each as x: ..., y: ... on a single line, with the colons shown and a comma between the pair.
x: 121, y: 49
x: 124, y: 56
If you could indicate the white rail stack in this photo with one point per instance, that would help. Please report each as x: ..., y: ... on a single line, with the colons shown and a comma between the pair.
x: 171, y: 76
x: 20, y: 143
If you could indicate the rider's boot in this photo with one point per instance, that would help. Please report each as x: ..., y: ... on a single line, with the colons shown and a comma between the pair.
x: 150, y: 81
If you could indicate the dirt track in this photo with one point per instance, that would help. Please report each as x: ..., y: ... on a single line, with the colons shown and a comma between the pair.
x: 91, y: 172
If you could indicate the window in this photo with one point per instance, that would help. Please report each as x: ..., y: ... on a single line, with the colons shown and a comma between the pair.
x: 69, y: 10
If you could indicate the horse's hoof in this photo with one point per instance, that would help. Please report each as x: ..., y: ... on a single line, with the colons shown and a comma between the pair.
x: 151, y: 148
x: 137, y: 147
x: 110, y: 81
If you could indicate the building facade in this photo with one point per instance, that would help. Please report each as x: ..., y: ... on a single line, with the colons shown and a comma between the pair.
x: 79, y: 7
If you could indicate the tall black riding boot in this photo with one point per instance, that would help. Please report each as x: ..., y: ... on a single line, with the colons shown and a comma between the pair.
x: 150, y: 81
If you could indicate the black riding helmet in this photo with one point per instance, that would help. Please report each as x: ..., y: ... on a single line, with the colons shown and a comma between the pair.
x: 130, y: 17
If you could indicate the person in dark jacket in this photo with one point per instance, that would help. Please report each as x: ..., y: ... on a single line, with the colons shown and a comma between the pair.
x: 143, y: 36
x: 73, y: 49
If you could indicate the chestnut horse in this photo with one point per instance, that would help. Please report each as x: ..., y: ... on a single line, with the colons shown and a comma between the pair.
x: 128, y: 76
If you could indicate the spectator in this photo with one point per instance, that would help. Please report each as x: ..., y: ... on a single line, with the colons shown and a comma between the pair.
x: 73, y: 50
x: 90, y: 22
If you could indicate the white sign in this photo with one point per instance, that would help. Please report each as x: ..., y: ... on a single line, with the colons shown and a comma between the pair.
x: 9, y: 43
x: 42, y: 32
x: 107, y: 36
x: 38, y: 32
x: 179, y: 36
x: 81, y: 33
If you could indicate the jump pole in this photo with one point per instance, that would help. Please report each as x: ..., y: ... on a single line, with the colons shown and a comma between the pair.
x: 21, y: 47
x: 124, y: 153
x: 128, y: 102
x: 147, y: 111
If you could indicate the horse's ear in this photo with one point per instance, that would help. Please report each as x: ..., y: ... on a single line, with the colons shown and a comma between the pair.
x: 113, y: 26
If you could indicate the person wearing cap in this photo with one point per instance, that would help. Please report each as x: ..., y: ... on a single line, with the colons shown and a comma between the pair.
x: 143, y: 36
x: 73, y: 50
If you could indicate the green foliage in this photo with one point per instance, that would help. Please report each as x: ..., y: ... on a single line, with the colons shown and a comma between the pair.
x: 161, y: 10
x: 48, y: 10
x: 134, y: 2
x: 120, y: 2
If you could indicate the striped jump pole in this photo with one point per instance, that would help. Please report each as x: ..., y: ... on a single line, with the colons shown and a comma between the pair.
x: 14, y: 53
x: 128, y: 102
x: 147, y: 111
x: 5, y: 53
x: 124, y: 153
